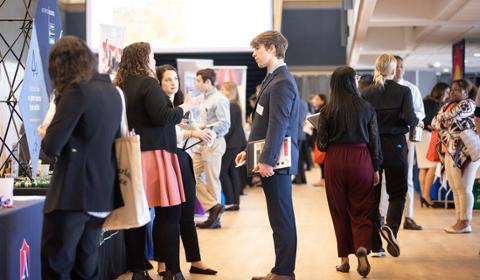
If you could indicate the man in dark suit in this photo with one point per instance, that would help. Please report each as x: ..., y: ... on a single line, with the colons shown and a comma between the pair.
x: 275, y: 116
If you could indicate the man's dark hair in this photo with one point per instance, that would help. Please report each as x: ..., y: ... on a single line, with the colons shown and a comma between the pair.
x: 207, y: 74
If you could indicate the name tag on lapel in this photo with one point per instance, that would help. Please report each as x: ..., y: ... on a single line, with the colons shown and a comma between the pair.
x: 260, y: 109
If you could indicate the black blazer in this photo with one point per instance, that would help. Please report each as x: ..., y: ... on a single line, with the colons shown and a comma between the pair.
x: 276, y: 116
x: 235, y: 136
x: 81, y: 135
x: 151, y: 114
x: 394, y: 106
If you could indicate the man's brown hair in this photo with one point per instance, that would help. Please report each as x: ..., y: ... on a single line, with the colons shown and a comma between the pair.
x: 271, y: 38
x: 207, y: 74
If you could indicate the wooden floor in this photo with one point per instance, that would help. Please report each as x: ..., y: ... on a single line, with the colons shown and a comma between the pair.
x: 243, y: 247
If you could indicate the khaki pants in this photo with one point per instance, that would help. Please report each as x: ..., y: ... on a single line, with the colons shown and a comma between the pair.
x: 208, y: 161
x: 462, y: 185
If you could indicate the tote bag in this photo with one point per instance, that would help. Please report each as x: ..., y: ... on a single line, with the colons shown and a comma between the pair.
x: 472, y: 142
x: 134, y: 212
x: 432, y: 154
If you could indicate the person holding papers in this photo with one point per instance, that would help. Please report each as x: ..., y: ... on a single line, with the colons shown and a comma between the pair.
x: 275, y: 117
x: 348, y: 132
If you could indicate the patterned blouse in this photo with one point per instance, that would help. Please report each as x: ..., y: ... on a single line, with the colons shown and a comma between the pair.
x: 450, y: 121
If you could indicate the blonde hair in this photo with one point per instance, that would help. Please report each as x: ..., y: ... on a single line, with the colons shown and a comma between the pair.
x: 232, y: 91
x: 385, y: 65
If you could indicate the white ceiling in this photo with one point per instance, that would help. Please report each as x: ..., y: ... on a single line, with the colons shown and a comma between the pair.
x: 422, y: 31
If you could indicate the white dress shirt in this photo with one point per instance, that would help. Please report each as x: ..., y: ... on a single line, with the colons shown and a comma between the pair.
x: 416, y: 98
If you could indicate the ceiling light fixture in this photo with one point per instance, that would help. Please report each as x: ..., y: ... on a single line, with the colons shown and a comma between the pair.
x: 476, y: 54
x: 436, y: 64
x: 446, y: 70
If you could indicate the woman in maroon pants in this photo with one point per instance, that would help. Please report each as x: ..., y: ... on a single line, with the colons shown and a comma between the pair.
x: 348, y: 133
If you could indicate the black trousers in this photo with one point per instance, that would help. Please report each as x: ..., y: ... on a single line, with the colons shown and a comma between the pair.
x: 395, y: 169
x: 300, y: 178
x: 166, y: 239
x: 188, y: 231
x: 70, y: 242
x: 230, y: 177
x: 278, y: 193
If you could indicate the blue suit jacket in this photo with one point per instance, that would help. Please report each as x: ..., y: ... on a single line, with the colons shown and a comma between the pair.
x: 276, y: 116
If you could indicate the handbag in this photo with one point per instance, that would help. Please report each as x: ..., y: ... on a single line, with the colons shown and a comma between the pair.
x: 318, y: 156
x: 432, y: 154
x: 472, y: 141
x: 134, y: 212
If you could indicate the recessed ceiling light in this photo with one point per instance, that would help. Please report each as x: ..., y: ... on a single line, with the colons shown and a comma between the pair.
x: 436, y: 64
x: 446, y: 70
x: 476, y: 54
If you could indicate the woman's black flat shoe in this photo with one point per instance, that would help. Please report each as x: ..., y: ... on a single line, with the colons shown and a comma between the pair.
x: 207, y: 271
x: 344, y: 267
x: 141, y: 275
x: 363, y: 265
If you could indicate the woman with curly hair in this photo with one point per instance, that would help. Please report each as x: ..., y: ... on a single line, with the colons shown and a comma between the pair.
x: 151, y: 116
x: 81, y: 138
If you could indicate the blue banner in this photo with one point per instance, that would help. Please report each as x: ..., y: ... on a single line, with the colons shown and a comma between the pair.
x: 49, y: 30
x: 33, y: 99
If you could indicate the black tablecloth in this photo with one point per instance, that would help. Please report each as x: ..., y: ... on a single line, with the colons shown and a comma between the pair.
x: 19, y: 224
x: 24, y: 222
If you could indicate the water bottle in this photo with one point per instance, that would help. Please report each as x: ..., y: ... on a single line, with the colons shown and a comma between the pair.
x: 15, y: 158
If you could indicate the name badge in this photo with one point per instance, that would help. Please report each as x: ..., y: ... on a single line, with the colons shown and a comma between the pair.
x: 260, y: 109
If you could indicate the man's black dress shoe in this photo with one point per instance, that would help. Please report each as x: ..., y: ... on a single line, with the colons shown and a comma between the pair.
x: 207, y: 271
x: 409, y: 223
x: 209, y: 224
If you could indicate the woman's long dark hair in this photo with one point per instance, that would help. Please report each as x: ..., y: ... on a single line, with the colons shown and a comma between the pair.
x: 344, y: 96
x: 438, y: 92
x: 179, y: 97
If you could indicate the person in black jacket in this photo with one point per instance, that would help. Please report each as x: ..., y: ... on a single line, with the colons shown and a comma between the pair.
x: 236, y: 141
x: 348, y: 132
x: 168, y: 78
x: 81, y: 137
x: 394, y: 106
x: 152, y: 116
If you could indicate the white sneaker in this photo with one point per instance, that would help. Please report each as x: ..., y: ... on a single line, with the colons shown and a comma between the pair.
x: 379, y: 254
x: 450, y: 229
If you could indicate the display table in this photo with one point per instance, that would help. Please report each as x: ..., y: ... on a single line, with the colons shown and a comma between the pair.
x: 20, y: 235
x: 23, y: 222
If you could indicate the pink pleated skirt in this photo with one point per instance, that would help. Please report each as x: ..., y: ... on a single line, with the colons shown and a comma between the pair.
x: 162, y: 179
